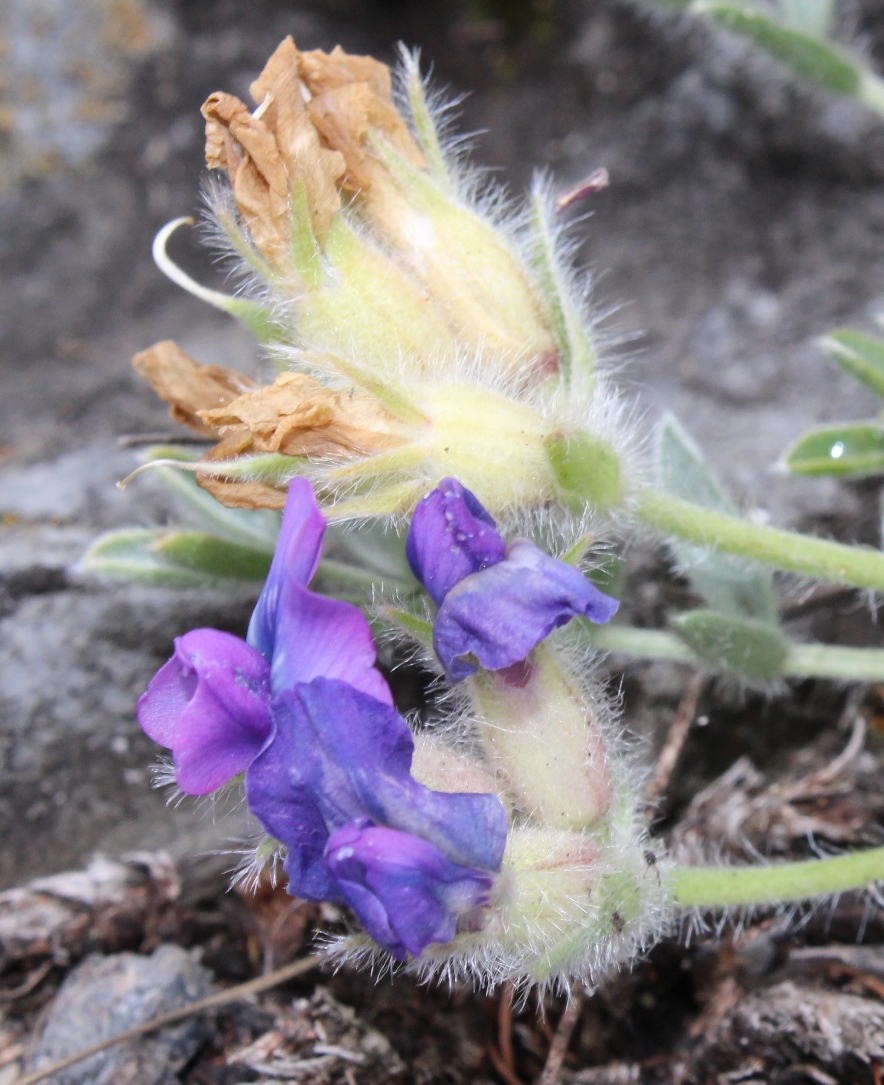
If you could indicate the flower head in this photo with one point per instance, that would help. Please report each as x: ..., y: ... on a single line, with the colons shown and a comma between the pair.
x: 300, y: 707
x: 340, y: 757
x: 210, y: 704
x: 496, y: 601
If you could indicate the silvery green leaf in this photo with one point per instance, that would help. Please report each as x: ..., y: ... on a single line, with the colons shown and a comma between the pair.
x: 173, y: 559
x: 846, y: 450
x: 805, y: 53
x: 751, y: 649
x: 862, y: 356
x: 729, y: 584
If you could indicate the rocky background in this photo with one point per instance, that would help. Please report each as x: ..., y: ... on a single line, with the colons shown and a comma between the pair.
x: 745, y: 218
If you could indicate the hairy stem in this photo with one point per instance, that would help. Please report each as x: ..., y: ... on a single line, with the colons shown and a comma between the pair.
x: 802, y: 660
x: 716, y: 887
x: 835, y: 563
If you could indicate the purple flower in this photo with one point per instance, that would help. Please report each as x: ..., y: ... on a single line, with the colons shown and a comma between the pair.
x: 338, y: 755
x: 300, y: 707
x: 405, y: 892
x: 496, y: 602
x: 210, y: 704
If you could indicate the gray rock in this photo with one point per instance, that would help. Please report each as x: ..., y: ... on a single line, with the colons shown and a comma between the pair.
x: 104, y: 996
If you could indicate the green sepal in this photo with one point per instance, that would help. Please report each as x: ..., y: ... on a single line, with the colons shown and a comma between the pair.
x: 172, y: 559
x: 422, y: 120
x: 305, y: 251
x: 752, y: 649
x: 586, y: 469
x: 806, y: 54
x: 609, y: 576
x: 730, y: 584
x: 862, y: 356
x: 847, y: 450
x: 577, y: 354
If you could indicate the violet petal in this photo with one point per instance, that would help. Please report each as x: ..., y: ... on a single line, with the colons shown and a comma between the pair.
x: 303, y: 634
x: 338, y: 754
x: 404, y: 891
x: 451, y: 535
x: 296, y: 557
x: 498, y: 615
x: 319, y: 637
x: 210, y: 704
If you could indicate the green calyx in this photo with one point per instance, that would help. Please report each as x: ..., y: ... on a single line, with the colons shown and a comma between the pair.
x: 586, y: 469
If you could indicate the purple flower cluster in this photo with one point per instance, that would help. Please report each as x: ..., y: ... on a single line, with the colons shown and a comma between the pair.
x: 301, y: 709
x: 496, y: 601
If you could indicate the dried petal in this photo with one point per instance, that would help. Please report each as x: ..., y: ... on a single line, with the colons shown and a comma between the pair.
x: 188, y: 386
x: 244, y: 146
x: 345, y: 117
x: 297, y: 416
x: 303, y: 155
x: 327, y: 71
x: 268, y: 154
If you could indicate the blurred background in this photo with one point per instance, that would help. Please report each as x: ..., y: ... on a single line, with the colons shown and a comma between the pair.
x: 744, y: 218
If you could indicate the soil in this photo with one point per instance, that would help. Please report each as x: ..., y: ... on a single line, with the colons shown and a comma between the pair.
x: 744, y: 219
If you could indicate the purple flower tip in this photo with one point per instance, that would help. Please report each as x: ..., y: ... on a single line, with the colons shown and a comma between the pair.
x: 210, y: 704
x: 496, y: 603
x: 404, y: 891
x: 451, y: 535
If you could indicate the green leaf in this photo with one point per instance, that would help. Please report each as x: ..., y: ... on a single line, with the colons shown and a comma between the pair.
x: 754, y: 650
x: 846, y: 450
x: 214, y: 557
x: 805, y: 53
x: 173, y: 559
x: 730, y: 584
x: 862, y: 356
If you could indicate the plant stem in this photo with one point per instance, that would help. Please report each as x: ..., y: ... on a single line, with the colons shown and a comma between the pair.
x: 780, y: 883
x: 802, y: 660
x: 836, y: 563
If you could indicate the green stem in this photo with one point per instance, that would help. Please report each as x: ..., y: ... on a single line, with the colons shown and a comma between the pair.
x: 836, y: 563
x: 802, y: 660
x: 780, y: 883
